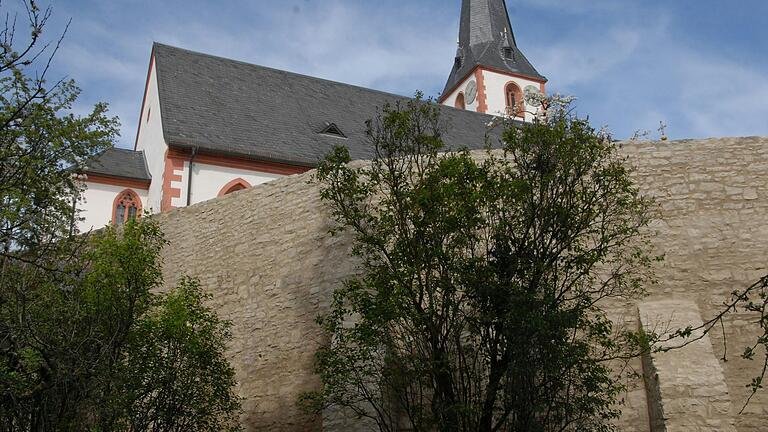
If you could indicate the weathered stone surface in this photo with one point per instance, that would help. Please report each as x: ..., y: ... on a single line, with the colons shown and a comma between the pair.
x: 713, y: 243
x: 691, y: 390
x: 266, y: 256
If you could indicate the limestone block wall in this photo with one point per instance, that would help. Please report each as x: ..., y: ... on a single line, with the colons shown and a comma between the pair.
x: 688, y: 384
x: 266, y: 256
x: 713, y: 196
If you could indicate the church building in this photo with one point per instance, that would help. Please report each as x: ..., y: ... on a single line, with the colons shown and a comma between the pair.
x: 210, y: 126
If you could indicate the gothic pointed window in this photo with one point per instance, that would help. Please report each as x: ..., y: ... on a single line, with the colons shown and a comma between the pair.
x: 127, y: 206
x: 235, y: 185
x: 460, y: 102
x: 515, y: 102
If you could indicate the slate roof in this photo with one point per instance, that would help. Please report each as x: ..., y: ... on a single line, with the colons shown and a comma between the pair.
x: 484, y: 29
x: 234, y: 108
x: 122, y: 163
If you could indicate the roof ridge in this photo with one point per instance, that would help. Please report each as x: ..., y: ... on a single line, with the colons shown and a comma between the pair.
x: 297, y: 74
x: 124, y: 149
x: 233, y: 108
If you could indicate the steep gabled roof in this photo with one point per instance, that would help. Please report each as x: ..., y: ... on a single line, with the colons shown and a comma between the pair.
x: 484, y: 31
x: 121, y: 163
x: 234, y: 108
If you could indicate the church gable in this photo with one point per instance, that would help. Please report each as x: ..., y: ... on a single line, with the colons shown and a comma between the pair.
x: 150, y: 139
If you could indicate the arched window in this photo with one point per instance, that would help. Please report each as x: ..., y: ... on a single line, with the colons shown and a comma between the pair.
x: 515, y: 100
x: 460, y: 101
x: 127, y: 206
x: 235, y: 185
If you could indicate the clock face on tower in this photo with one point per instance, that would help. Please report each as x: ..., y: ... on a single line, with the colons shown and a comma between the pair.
x: 532, y: 94
x: 471, y: 92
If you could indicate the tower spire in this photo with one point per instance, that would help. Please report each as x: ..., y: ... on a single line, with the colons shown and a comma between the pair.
x: 486, y: 39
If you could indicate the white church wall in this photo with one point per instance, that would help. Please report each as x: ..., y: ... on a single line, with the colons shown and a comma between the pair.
x: 151, y: 140
x: 208, y: 180
x: 495, y: 91
x: 96, y: 207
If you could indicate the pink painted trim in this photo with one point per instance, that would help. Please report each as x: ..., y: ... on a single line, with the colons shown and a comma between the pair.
x: 237, y: 184
x: 482, y: 99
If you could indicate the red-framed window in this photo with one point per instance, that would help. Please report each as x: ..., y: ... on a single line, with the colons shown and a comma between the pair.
x: 515, y: 100
x: 127, y: 206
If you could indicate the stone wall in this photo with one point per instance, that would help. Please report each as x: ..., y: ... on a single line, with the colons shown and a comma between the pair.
x: 713, y: 196
x: 266, y: 256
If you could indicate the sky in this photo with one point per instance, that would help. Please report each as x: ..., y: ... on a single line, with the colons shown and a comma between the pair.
x: 700, y: 66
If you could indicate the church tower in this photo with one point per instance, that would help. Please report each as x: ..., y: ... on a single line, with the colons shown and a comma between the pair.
x: 490, y: 74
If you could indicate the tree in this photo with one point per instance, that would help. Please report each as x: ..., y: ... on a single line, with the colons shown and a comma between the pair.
x: 85, y: 343
x: 65, y: 332
x: 92, y: 348
x: 41, y: 142
x: 478, y: 307
x: 177, y: 351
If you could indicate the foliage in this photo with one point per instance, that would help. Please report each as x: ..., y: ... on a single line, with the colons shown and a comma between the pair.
x: 85, y: 343
x: 63, y: 333
x: 477, y: 309
x: 177, y: 351
x: 93, y: 347
x: 41, y: 143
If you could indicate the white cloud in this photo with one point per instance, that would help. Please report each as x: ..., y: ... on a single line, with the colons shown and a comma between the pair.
x: 335, y: 41
x: 722, y: 98
x: 93, y: 63
x: 637, y: 73
x: 584, y: 61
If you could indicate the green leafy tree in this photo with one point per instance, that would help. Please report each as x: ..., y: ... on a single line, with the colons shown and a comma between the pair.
x: 65, y: 332
x: 478, y: 308
x: 41, y: 142
x: 92, y: 348
x: 85, y: 343
x: 177, y: 352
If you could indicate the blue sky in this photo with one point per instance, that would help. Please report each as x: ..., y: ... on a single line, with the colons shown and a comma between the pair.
x: 700, y: 66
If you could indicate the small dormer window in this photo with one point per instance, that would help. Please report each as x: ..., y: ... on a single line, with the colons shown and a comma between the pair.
x: 333, y: 130
x: 459, y: 57
x: 506, y: 46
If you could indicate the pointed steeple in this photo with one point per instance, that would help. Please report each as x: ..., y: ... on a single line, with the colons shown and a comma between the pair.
x: 486, y: 39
